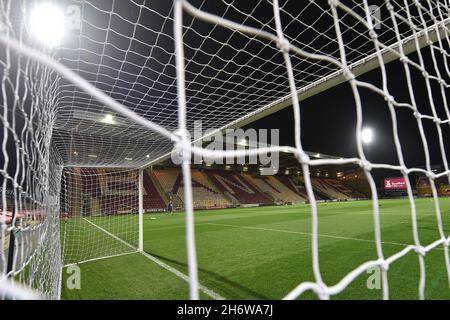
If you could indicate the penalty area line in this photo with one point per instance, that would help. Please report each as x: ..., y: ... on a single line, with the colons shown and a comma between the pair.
x: 179, y: 274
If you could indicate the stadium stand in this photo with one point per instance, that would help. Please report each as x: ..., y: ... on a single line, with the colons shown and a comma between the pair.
x: 235, y: 185
x: 152, y: 200
x: 94, y: 194
x: 356, y: 183
x: 331, y: 189
x: 167, y: 178
x: 205, y: 193
x: 338, y: 187
x: 297, y: 186
x: 115, y: 194
x: 423, y: 187
x: 274, y: 188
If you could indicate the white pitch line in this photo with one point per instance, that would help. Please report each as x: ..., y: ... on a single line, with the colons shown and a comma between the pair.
x: 183, y: 276
x: 101, y: 258
x: 179, y: 274
x: 310, y: 234
x: 110, y: 234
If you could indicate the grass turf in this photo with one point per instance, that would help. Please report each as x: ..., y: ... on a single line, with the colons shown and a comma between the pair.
x: 258, y: 253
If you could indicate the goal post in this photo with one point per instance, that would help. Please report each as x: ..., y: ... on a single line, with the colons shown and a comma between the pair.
x: 141, y: 210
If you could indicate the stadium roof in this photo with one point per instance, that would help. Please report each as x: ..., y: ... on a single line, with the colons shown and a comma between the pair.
x: 286, y: 161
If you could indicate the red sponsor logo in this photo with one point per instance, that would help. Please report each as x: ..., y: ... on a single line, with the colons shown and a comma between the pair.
x: 395, y: 183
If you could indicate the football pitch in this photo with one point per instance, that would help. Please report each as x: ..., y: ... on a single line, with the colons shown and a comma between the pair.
x: 265, y: 252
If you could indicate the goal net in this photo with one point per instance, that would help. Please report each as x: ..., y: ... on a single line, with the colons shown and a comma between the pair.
x: 99, y: 214
x: 122, y: 90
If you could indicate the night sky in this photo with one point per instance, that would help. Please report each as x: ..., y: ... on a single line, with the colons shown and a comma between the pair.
x: 328, y: 121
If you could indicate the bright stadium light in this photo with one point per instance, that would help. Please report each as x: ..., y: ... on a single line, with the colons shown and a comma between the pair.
x: 108, y: 119
x: 367, y: 135
x: 47, y: 23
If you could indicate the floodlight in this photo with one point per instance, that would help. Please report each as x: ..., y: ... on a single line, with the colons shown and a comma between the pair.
x: 47, y: 24
x: 367, y: 135
x: 108, y: 119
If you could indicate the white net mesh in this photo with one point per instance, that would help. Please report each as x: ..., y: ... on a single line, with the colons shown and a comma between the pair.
x: 127, y: 83
x: 99, y: 214
x: 126, y: 49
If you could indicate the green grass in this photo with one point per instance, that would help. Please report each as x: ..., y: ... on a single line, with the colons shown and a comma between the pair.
x: 264, y: 252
